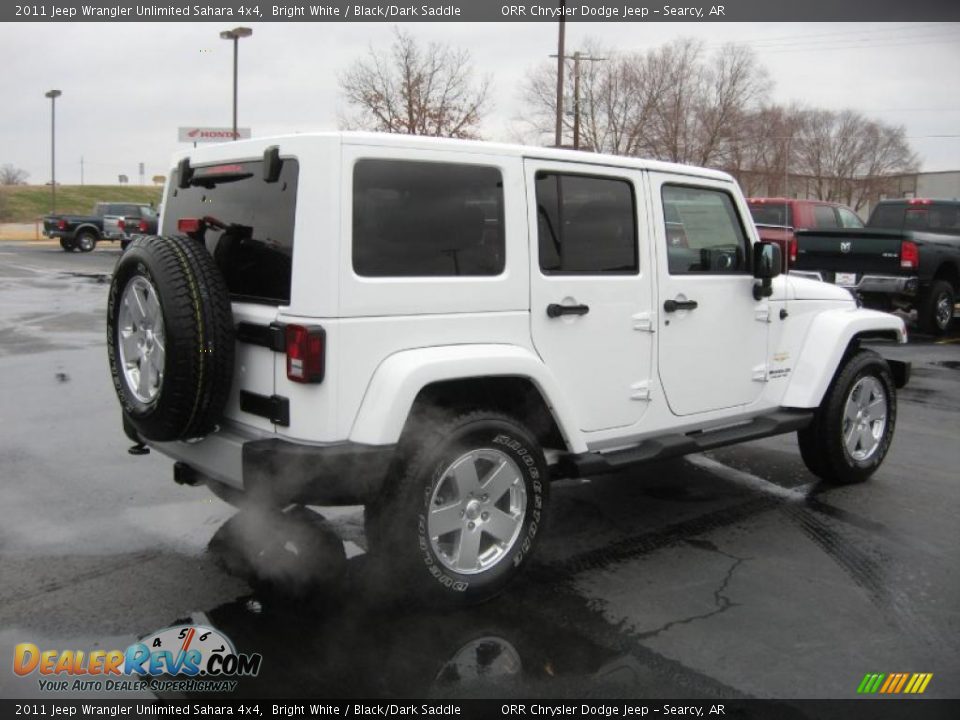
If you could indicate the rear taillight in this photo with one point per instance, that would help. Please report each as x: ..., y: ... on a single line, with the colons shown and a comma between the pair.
x: 188, y: 225
x: 121, y: 225
x: 61, y: 225
x: 792, y: 251
x: 143, y: 226
x: 909, y: 255
x: 305, y: 353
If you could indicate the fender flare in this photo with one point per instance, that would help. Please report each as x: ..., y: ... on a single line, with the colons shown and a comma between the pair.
x: 87, y: 226
x: 834, y: 330
x: 400, y: 377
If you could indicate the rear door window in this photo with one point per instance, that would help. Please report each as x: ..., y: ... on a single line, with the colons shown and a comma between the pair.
x: 824, y: 217
x: 251, y: 239
x: 586, y: 224
x: 849, y: 219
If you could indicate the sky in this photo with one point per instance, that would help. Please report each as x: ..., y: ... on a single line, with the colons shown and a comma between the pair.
x: 127, y: 87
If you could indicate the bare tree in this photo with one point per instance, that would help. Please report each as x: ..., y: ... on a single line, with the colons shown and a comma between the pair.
x: 848, y: 157
x: 760, y: 155
x: 11, y: 175
x: 614, y: 101
x: 671, y: 103
x: 415, y: 90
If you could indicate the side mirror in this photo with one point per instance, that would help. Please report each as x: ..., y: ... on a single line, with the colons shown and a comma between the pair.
x: 767, y: 262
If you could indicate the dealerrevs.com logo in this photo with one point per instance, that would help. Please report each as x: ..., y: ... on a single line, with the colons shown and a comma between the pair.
x: 185, y: 658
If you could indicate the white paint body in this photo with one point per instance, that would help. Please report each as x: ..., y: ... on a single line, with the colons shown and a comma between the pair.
x: 625, y: 372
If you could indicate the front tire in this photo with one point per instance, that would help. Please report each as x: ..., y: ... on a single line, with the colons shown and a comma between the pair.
x: 466, y: 509
x: 853, y: 427
x: 936, y: 311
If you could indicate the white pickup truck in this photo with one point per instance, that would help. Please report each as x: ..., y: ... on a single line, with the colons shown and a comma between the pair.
x: 438, y: 328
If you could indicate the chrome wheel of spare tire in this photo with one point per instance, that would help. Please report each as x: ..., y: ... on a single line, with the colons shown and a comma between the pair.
x: 141, y: 340
x: 864, y: 418
x: 476, y: 511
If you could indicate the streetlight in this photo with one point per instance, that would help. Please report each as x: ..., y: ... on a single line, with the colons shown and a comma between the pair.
x: 235, y: 35
x: 53, y: 95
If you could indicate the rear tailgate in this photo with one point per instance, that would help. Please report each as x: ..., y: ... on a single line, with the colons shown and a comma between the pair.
x: 247, y: 225
x: 844, y: 256
x: 51, y: 224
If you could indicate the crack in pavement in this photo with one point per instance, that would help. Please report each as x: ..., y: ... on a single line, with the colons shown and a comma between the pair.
x: 722, y: 602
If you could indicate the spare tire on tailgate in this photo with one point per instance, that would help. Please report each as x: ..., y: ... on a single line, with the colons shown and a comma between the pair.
x: 170, y: 338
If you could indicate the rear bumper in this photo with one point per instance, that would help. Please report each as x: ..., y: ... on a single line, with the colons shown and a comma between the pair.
x: 906, y: 285
x: 277, y: 471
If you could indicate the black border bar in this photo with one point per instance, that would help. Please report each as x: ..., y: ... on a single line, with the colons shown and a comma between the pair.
x: 251, y: 11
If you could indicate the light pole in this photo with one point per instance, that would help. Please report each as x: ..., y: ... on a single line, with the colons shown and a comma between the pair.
x: 53, y: 95
x: 235, y: 35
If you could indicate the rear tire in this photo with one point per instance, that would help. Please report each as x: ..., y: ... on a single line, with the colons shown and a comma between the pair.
x: 170, y: 338
x: 853, y: 427
x: 467, y: 505
x: 67, y: 245
x: 936, y: 311
x: 85, y: 241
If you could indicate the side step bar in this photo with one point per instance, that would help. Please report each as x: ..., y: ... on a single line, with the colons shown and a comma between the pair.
x: 669, y: 446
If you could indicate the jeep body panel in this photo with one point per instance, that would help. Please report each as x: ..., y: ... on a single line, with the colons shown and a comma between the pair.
x: 400, y: 378
x: 613, y: 356
x: 828, y: 338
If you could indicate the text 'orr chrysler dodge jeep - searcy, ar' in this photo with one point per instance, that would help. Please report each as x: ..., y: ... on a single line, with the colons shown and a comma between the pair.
x: 438, y: 328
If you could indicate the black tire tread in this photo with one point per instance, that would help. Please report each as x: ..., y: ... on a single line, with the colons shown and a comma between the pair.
x: 199, y: 333
x: 820, y: 449
x: 927, y: 309
x: 388, y: 538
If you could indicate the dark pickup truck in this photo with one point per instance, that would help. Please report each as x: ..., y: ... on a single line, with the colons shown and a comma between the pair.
x: 907, y: 257
x: 83, y: 232
x: 133, y: 226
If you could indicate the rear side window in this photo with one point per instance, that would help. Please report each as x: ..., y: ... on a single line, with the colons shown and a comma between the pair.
x: 824, y: 217
x: 423, y: 219
x: 251, y: 232
x: 703, y: 231
x: 586, y: 224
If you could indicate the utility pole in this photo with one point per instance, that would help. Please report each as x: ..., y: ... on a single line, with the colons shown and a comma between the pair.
x: 558, y: 133
x: 81, y: 169
x: 577, y: 57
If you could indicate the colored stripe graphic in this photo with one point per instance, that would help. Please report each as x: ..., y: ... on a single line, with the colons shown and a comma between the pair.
x: 894, y: 683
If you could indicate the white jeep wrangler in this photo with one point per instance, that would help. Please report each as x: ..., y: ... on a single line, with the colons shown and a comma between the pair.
x: 436, y: 329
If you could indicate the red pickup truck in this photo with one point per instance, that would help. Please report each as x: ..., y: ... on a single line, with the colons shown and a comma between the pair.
x: 777, y: 218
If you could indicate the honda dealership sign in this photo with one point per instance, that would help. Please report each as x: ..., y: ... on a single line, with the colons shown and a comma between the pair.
x: 211, y: 134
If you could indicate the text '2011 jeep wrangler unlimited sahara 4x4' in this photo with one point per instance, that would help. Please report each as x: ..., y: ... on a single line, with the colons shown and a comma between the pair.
x: 436, y: 328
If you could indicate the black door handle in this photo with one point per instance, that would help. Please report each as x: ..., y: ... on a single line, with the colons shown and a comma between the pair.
x: 674, y: 305
x: 555, y: 310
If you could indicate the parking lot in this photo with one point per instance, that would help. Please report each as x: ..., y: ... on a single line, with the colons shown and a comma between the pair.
x: 728, y: 574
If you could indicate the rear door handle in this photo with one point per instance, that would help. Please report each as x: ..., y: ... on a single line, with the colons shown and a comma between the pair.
x: 674, y: 305
x: 556, y: 310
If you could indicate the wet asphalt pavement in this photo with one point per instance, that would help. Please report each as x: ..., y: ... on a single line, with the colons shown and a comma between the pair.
x: 730, y: 574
